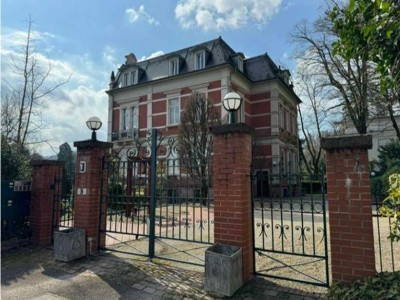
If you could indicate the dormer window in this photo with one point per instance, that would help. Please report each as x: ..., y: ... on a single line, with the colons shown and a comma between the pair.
x: 174, y: 66
x: 133, y: 77
x: 125, y: 78
x: 128, y: 78
x: 200, y: 60
x: 240, y: 64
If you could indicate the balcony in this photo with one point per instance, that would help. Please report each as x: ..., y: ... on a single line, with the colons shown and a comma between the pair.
x: 128, y: 134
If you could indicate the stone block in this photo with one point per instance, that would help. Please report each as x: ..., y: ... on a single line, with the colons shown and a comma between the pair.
x: 69, y: 244
x: 223, y: 269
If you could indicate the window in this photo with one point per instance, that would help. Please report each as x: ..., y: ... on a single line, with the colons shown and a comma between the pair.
x: 173, y: 67
x: 200, y: 60
x: 240, y: 64
x: 125, y: 83
x: 294, y: 124
x: 173, y: 111
x: 283, y: 162
x: 125, y: 119
x: 172, y: 167
x: 129, y: 118
x: 199, y: 108
x: 133, y: 73
x: 134, y: 124
x: 281, y: 117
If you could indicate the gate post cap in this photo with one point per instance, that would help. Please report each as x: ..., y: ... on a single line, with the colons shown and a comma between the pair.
x: 92, y: 144
x: 41, y: 162
x: 347, y: 142
x: 232, y: 128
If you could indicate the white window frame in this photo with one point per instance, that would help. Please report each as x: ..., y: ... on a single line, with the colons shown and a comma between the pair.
x: 172, y: 118
x: 125, y: 77
x: 288, y: 116
x: 124, y: 118
x: 134, y: 117
x: 174, y: 66
x: 133, y: 77
x: 173, y: 167
x: 200, y: 60
x: 281, y: 116
x: 129, y: 118
x: 240, y: 64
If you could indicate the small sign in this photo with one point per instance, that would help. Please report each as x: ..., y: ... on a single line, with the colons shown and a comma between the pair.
x: 22, y: 186
x: 82, y: 167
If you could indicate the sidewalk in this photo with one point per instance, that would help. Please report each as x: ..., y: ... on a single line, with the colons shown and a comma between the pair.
x: 32, y: 273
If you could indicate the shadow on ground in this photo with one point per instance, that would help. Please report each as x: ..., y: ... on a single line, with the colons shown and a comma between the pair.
x: 32, y: 272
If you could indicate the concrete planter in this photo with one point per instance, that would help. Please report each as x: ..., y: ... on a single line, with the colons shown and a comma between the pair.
x: 69, y: 244
x: 223, y: 269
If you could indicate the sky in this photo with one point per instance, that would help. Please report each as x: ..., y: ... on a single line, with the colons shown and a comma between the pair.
x: 84, y: 40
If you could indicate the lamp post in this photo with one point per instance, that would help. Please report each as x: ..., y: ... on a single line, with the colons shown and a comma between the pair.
x: 231, y: 103
x: 94, y: 124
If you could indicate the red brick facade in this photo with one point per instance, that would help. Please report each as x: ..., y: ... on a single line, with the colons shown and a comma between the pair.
x: 43, y: 175
x: 350, y: 210
x: 88, y: 191
x: 232, y: 192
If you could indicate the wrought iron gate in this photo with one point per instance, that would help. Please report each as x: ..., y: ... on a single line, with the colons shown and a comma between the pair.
x: 290, y: 232
x: 63, y: 201
x: 155, y: 204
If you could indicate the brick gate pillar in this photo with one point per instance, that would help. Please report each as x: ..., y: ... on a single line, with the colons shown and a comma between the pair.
x: 44, y: 173
x: 350, y: 208
x: 88, y: 190
x: 233, y: 223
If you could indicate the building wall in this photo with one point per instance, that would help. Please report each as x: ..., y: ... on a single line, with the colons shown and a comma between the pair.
x: 266, y: 106
x: 382, y: 132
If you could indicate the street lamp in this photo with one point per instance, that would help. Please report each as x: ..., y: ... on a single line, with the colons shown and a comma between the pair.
x: 94, y: 124
x: 231, y: 103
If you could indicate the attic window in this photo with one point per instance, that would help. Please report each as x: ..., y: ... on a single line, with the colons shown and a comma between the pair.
x: 240, y: 64
x: 133, y: 77
x: 174, y: 66
x: 125, y: 82
x: 200, y: 60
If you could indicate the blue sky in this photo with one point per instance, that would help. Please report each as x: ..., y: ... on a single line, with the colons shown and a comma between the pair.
x: 88, y: 39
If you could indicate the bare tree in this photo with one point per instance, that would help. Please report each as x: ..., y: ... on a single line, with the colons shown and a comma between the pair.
x: 352, y: 78
x: 24, y: 97
x: 195, y: 141
x: 317, y: 114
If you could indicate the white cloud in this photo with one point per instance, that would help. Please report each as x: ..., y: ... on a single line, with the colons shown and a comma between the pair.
x: 14, y: 39
x: 66, y: 116
x: 109, y: 56
x: 225, y: 14
x: 155, y: 54
x: 65, y: 110
x: 135, y: 14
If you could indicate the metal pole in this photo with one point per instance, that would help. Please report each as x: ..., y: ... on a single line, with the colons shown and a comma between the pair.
x: 153, y: 177
x: 233, y: 119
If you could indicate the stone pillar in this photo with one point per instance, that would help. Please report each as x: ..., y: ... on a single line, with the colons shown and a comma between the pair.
x: 88, y: 190
x: 44, y: 175
x: 232, y: 190
x: 349, y: 206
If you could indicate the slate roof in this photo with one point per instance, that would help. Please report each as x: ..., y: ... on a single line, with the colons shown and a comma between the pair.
x: 218, y: 52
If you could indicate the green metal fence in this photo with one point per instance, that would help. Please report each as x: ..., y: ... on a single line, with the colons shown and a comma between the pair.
x: 290, y: 227
x: 156, y: 198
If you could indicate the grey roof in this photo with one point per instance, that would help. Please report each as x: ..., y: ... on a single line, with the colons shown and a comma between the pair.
x: 218, y: 52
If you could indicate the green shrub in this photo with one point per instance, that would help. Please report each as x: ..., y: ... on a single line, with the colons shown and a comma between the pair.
x: 391, y: 206
x: 383, y: 286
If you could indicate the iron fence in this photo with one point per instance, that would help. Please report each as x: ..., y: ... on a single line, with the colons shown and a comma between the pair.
x: 63, y: 202
x: 290, y: 227
x: 387, y: 252
x: 155, y: 196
